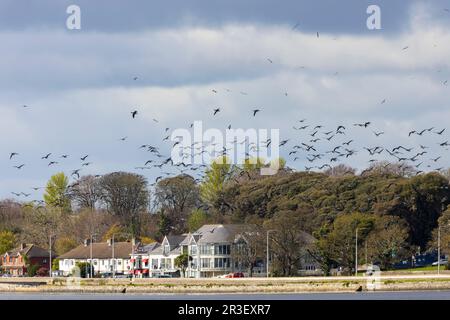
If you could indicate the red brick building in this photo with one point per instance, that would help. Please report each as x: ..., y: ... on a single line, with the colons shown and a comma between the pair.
x: 15, y: 261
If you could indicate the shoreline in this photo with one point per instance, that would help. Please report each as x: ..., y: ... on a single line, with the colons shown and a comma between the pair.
x: 395, y: 283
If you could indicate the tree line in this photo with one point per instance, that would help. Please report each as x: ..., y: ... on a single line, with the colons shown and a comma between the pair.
x: 393, y: 212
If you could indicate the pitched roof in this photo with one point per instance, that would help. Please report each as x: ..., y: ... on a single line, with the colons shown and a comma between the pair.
x: 219, y: 233
x: 100, y: 250
x: 30, y: 250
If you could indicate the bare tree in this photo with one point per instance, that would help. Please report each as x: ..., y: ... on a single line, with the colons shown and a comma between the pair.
x: 126, y: 196
x: 86, y: 192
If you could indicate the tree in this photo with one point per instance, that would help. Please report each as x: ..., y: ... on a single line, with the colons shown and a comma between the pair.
x: 55, y: 264
x: 340, y: 170
x: 386, y: 243
x: 340, y: 243
x: 196, y: 219
x: 177, y: 196
x: 249, y: 248
x: 287, y: 238
x: 7, y: 241
x: 212, y: 187
x: 164, y: 225
x: 118, y: 232
x: 125, y: 195
x: 182, y: 262
x: 56, y: 192
x: 444, y: 223
x: 65, y: 244
x: 86, y: 192
x: 84, y: 269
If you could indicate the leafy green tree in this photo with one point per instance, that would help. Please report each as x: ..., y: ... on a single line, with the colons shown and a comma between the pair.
x: 7, y: 241
x: 387, y: 242
x: 55, y: 264
x: 83, y: 268
x: 56, y: 192
x: 339, y: 244
x: 197, y: 218
x: 212, y: 187
x: 182, y: 262
x: 164, y: 225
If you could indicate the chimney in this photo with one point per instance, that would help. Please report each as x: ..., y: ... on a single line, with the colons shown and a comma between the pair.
x: 23, y: 246
x: 87, y: 242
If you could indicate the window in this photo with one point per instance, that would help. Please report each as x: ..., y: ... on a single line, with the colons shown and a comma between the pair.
x: 206, y: 263
x: 222, y: 249
x: 166, y: 263
x: 193, y: 249
x: 221, y: 263
x: 206, y: 249
x: 166, y: 249
x: 155, y: 263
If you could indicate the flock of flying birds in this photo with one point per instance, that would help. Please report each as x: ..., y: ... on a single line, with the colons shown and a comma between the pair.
x: 319, y: 146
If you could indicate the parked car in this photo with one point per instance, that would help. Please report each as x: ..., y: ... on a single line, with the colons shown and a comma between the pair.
x: 163, y: 276
x: 235, y: 275
x: 442, y: 262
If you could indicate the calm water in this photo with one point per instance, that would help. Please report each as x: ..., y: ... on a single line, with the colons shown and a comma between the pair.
x: 406, y: 295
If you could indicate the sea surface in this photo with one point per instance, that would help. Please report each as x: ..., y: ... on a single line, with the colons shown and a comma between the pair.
x: 398, y: 295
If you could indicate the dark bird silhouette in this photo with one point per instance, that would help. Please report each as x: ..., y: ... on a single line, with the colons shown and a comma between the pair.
x: 84, y: 158
x: 46, y: 156
x: 216, y: 111
x: 13, y: 154
x: 134, y: 114
x: 19, y: 167
x: 255, y: 111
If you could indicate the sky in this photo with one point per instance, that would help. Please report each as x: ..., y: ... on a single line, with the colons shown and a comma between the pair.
x: 79, y: 87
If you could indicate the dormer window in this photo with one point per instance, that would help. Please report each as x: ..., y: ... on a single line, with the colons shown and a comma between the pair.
x: 166, y: 249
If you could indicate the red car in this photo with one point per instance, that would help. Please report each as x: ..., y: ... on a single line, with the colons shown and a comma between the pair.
x: 235, y: 275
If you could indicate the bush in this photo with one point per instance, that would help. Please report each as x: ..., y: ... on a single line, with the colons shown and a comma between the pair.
x: 42, y: 272
x: 32, y: 270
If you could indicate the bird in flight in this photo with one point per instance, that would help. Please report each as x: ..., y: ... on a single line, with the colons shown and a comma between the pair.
x: 84, y: 158
x: 19, y: 167
x: 255, y: 111
x: 46, y: 156
x: 216, y: 111
x: 269, y: 60
x: 134, y: 114
x: 13, y: 154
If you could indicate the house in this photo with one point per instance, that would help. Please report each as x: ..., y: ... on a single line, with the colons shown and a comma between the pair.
x: 210, y: 250
x: 107, y: 257
x: 158, y: 258
x: 16, y: 262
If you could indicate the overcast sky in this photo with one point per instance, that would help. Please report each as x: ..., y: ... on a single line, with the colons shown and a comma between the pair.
x: 80, y: 90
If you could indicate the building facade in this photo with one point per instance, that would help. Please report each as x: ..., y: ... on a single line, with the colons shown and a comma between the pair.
x: 17, y: 261
x: 111, y: 258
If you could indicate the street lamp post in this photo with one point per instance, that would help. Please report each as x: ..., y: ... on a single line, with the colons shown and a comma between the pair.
x: 50, y: 255
x: 439, y: 249
x: 267, y: 251
x: 113, y: 261
x: 356, y: 253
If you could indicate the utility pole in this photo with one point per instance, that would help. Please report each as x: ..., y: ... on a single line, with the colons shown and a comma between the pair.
x: 439, y: 249
x: 356, y: 253
x: 91, y: 263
